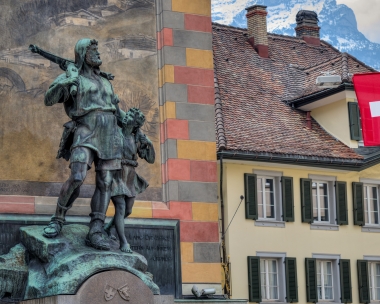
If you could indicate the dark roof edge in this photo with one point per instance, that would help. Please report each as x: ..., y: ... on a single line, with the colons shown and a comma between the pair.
x: 301, y: 160
x: 304, y: 100
x: 221, y: 137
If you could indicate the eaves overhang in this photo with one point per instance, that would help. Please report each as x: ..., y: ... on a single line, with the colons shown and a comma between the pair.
x: 302, y: 160
x: 303, y: 103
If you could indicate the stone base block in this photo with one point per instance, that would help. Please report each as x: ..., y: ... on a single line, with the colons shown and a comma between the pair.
x: 111, y: 287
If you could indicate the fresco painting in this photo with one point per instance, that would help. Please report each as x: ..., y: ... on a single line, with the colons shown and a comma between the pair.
x: 29, y: 131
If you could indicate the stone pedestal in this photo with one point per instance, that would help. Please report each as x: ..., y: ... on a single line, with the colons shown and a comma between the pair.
x: 111, y: 287
x: 66, y: 266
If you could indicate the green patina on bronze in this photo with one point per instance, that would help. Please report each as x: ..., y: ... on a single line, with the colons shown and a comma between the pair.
x: 60, y: 265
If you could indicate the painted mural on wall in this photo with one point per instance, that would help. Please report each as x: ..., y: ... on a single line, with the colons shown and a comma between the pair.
x: 30, y: 131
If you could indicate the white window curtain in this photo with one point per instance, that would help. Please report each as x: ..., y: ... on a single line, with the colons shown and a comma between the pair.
x: 325, y: 280
x: 320, y: 201
x: 371, y: 204
x: 266, y: 197
x: 269, y: 279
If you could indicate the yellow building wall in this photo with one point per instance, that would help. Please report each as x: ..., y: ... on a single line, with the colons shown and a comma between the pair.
x: 296, y: 239
x: 334, y: 119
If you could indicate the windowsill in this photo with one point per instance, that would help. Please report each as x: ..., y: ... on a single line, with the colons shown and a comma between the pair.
x: 324, y: 226
x: 269, y: 223
x: 272, y: 302
x: 371, y: 228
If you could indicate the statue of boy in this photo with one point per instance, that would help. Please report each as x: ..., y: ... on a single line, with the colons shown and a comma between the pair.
x: 127, y: 183
x: 93, y: 136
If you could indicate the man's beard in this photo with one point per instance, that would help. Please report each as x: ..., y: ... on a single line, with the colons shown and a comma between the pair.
x: 93, y: 60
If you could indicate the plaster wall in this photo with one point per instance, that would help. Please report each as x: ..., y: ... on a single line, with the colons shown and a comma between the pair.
x: 296, y: 239
x: 334, y: 119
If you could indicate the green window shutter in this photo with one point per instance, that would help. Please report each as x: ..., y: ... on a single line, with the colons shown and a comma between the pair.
x: 363, y: 279
x: 354, y: 118
x: 254, y: 283
x: 250, y: 190
x: 358, y: 199
x: 291, y: 280
x: 306, y: 200
x: 341, y: 203
x: 311, y: 280
x: 345, y: 281
x: 287, y: 199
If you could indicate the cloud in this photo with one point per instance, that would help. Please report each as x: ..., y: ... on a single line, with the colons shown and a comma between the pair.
x: 228, y: 9
x: 367, y: 16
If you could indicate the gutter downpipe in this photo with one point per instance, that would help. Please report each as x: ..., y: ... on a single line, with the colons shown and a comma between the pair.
x: 224, y: 261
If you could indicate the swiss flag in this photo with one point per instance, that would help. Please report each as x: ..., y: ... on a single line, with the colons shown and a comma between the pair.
x: 367, y: 89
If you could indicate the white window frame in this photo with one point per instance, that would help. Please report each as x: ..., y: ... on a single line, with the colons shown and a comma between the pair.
x: 367, y: 207
x: 266, y: 283
x: 334, y: 258
x: 263, y: 198
x: 281, y: 279
x: 330, y: 225
x: 329, y: 203
x: 322, y: 280
x: 372, y: 286
x: 278, y: 220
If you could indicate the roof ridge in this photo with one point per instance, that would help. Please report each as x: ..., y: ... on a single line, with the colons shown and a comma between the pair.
x: 229, y: 26
x: 222, y: 141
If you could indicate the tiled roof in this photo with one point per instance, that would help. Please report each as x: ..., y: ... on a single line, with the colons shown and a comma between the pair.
x: 252, y: 115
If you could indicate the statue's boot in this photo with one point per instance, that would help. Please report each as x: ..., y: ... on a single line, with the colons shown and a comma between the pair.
x: 107, y: 229
x: 69, y: 192
x: 54, y: 228
x: 95, y: 237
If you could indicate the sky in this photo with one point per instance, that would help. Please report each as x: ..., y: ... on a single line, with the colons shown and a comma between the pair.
x: 367, y: 14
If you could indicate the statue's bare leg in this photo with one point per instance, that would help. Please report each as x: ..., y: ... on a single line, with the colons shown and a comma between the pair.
x: 119, y: 203
x: 69, y: 192
x: 99, y: 205
x: 129, y: 201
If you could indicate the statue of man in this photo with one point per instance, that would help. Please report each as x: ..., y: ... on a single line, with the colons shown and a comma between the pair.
x: 92, y: 136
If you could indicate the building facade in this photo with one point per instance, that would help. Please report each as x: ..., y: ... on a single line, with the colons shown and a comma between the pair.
x: 307, y: 228
x: 174, y: 88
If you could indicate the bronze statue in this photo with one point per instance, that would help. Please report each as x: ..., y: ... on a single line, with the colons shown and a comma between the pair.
x: 93, y: 136
x: 127, y: 183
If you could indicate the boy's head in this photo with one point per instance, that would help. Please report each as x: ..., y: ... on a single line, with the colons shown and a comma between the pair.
x: 134, y: 117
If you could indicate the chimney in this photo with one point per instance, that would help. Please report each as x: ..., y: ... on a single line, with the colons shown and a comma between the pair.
x: 307, y: 27
x: 257, y: 29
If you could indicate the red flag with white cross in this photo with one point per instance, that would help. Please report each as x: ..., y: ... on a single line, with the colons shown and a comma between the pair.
x: 367, y: 89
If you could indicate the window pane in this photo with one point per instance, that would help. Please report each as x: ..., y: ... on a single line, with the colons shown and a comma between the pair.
x: 365, y: 191
x: 319, y: 293
x: 269, y: 198
x: 315, y: 201
x: 374, y: 217
x: 323, y: 189
x: 372, y: 193
x: 325, y: 215
x: 328, y: 293
x: 273, y: 293
x: 260, y: 197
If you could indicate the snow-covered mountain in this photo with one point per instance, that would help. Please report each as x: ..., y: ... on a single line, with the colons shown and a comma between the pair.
x: 337, y: 22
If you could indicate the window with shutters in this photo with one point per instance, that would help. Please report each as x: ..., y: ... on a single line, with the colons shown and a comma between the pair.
x: 371, y: 204
x: 325, y: 286
x: 327, y: 197
x: 328, y: 278
x: 269, y: 198
x: 276, y: 276
x: 374, y: 280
